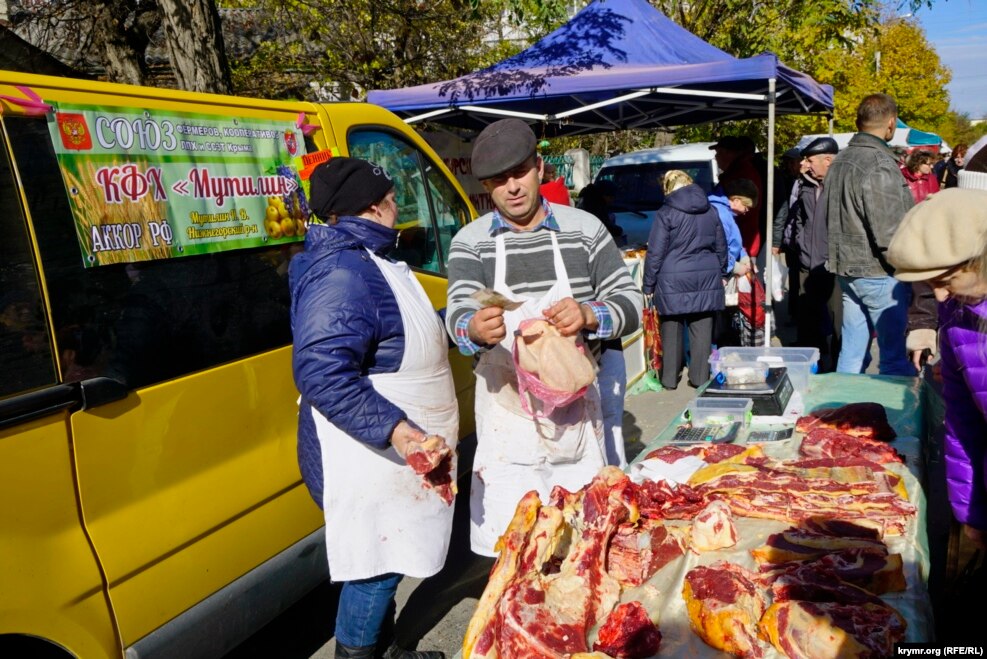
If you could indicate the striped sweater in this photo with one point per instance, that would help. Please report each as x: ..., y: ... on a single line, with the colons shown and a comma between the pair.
x: 596, y: 270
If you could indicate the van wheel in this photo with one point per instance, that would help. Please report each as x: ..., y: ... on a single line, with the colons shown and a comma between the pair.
x: 29, y: 647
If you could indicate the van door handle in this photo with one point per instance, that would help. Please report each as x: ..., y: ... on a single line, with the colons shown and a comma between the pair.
x: 100, y: 391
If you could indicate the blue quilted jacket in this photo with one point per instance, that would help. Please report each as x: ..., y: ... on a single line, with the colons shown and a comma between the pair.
x: 346, y: 326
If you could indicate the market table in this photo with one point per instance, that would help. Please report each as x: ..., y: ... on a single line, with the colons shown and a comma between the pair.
x: 903, y: 401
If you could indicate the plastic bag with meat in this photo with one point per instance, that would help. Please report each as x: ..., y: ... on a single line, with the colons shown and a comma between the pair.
x: 553, y: 369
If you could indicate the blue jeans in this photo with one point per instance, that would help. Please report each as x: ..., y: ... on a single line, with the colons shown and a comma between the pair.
x: 363, y: 606
x: 874, y: 303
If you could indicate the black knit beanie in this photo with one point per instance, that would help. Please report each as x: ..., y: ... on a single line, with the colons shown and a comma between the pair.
x: 347, y: 186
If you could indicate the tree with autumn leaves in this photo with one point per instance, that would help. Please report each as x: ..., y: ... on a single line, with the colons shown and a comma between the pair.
x: 321, y: 49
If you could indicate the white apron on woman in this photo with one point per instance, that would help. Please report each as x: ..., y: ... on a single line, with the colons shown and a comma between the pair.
x: 379, y: 518
x: 516, y: 453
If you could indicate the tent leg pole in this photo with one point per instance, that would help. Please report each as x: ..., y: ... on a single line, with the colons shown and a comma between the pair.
x: 769, y: 207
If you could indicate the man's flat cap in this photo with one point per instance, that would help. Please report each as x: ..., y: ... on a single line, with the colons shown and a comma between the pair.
x: 502, y: 146
x: 821, y: 145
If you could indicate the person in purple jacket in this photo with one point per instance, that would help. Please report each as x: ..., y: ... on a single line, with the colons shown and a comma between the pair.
x: 943, y: 241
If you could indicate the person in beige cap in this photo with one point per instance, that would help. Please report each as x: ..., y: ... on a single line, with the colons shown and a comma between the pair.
x: 943, y: 241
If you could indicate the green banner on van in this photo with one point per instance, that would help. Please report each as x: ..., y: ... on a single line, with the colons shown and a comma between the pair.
x: 153, y: 184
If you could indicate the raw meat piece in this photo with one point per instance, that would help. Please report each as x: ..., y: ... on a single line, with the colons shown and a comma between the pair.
x: 823, y: 630
x: 797, y: 544
x: 850, y: 528
x: 713, y: 528
x: 875, y: 571
x: 628, y: 633
x: 707, y: 453
x: 484, y: 625
x: 724, y: 604
x: 867, y: 420
x: 811, y: 583
x: 774, y: 490
x: 637, y: 552
x: 532, y: 610
x: 829, y: 443
x: 661, y: 500
x: 432, y: 459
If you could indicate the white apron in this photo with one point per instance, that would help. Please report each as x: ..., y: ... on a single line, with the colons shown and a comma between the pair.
x: 515, y: 453
x: 379, y: 518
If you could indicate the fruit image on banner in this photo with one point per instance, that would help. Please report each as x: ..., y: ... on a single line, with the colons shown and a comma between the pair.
x: 152, y: 184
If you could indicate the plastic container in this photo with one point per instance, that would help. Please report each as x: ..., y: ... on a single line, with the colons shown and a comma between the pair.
x: 739, y: 364
x: 720, y: 411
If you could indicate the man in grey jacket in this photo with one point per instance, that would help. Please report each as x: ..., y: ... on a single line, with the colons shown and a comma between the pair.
x: 866, y: 198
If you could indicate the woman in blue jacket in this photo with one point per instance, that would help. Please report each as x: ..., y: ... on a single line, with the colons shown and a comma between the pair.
x: 683, y: 270
x: 371, y: 362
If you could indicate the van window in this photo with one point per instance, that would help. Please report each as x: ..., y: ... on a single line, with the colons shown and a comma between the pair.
x: 428, y: 206
x: 639, y: 185
x: 146, y: 322
x: 26, y: 359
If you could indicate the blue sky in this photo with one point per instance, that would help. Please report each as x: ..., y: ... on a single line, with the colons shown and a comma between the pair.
x: 957, y: 29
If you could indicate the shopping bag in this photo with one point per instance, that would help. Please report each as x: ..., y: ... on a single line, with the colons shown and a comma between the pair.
x: 779, y: 273
x: 652, y: 337
x: 530, y: 385
x: 750, y: 299
x: 730, y: 292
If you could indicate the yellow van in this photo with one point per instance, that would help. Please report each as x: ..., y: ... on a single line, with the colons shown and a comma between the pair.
x: 151, y: 500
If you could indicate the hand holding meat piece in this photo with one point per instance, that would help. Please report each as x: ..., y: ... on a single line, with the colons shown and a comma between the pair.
x: 431, y: 458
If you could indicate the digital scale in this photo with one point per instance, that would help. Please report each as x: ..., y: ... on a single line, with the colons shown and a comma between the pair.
x: 770, y: 397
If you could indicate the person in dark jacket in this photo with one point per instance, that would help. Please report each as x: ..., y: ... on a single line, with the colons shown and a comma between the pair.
x: 820, y: 301
x: 370, y: 359
x: 866, y: 197
x: 928, y: 247
x: 950, y: 174
x: 683, y: 270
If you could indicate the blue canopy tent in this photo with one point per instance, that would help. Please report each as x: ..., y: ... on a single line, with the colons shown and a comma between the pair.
x: 617, y: 64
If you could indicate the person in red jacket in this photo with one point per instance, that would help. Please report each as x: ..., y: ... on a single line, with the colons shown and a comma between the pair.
x: 735, y: 158
x: 553, y: 186
x: 918, y: 172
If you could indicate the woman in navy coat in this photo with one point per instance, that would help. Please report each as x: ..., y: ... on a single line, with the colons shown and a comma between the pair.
x: 683, y: 270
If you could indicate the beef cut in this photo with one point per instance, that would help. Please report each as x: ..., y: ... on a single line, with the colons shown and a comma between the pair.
x: 725, y: 603
x: 829, y: 443
x: 713, y: 528
x: 866, y: 420
x: 830, y: 630
x: 628, y: 633
x: 432, y: 460
x: 638, y: 551
x: 550, y: 586
x: 797, y: 544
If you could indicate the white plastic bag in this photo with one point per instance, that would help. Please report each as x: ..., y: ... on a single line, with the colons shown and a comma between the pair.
x: 779, y: 273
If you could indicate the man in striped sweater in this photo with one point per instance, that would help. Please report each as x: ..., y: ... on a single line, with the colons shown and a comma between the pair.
x: 563, y: 265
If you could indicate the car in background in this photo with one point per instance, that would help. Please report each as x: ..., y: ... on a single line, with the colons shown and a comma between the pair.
x: 637, y: 177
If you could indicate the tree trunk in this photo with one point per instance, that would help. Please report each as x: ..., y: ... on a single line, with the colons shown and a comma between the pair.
x: 194, y: 38
x: 123, y: 60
